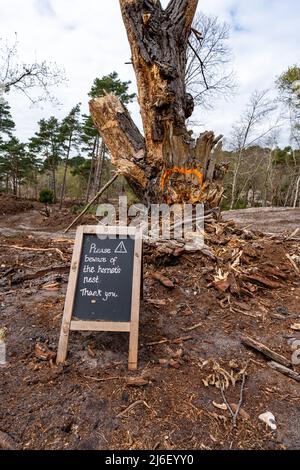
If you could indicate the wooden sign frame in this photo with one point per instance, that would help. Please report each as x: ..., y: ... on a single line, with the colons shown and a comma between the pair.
x: 131, y: 327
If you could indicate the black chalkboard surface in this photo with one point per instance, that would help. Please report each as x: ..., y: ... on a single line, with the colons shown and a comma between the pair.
x: 104, y: 283
x: 104, y: 286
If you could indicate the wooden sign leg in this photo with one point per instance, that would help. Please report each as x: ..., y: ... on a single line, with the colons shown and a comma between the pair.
x: 133, y: 347
x: 135, y: 307
x: 63, y: 343
x: 67, y: 317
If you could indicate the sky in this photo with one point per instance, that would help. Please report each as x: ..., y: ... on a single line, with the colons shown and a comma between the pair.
x: 87, y: 38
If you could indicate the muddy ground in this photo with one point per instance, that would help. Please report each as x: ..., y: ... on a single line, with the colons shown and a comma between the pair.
x: 190, y: 346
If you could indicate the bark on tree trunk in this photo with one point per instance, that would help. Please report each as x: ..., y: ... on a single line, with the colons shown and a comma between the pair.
x: 167, y: 164
x: 297, y: 193
x: 65, y: 172
x: 54, y: 183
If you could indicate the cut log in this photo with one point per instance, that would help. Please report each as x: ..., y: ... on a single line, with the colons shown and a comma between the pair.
x: 40, y: 273
x: 284, y: 370
x: 252, y: 343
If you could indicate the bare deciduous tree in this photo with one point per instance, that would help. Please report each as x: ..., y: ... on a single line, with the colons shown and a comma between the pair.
x: 27, y: 78
x: 167, y: 163
x: 208, y: 75
x: 249, y: 131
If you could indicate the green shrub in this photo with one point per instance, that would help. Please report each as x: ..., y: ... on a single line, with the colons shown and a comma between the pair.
x: 46, y: 197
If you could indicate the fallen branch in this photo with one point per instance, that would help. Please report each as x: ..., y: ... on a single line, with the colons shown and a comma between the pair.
x: 110, y: 182
x: 191, y: 328
x: 25, y: 248
x: 170, y: 341
x: 235, y: 415
x: 41, y: 273
x: 284, y: 370
x: 252, y: 343
x: 133, y: 405
x: 101, y: 380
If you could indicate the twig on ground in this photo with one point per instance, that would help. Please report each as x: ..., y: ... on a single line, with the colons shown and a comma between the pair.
x: 101, y: 380
x: 133, y: 405
x: 170, y: 341
x: 25, y: 248
x: 234, y: 415
x: 191, y: 328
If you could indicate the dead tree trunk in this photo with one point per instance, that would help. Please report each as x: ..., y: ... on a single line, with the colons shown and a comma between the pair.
x: 168, y: 164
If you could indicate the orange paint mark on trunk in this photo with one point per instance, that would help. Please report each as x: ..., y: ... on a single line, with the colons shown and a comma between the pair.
x: 182, y: 171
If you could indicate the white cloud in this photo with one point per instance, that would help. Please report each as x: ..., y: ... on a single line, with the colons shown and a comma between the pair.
x: 44, y: 7
x: 88, y: 39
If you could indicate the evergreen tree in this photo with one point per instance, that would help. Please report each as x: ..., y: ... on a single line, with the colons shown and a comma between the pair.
x: 15, y: 164
x: 48, y: 143
x: 112, y: 84
x: 69, y: 136
x: 7, y: 124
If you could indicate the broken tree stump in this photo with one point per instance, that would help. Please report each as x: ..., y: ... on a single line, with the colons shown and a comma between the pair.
x: 167, y: 164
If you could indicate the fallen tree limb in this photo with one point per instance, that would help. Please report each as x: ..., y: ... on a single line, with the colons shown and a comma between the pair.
x: 101, y: 380
x: 170, y: 341
x: 41, y: 273
x: 110, y: 182
x: 284, y: 370
x: 133, y: 405
x: 252, y: 343
x: 25, y: 248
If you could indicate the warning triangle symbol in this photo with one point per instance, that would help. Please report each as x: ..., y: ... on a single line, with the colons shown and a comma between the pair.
x: 121, y: 248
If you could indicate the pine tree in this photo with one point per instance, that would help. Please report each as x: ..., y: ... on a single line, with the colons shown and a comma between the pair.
x: 15, y: 164
x: 7, y: 124
x: 112, y: 84
x: 69, y: 136
x: 47, y: 142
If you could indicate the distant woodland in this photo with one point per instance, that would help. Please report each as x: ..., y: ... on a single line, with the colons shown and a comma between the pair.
x: 69, y: 158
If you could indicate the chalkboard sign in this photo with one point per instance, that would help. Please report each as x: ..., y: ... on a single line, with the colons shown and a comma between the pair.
x: 104, y: 285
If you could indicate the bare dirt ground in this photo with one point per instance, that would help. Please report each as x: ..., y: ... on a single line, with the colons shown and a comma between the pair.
x: 190, y: 346
x: 266, y: 219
